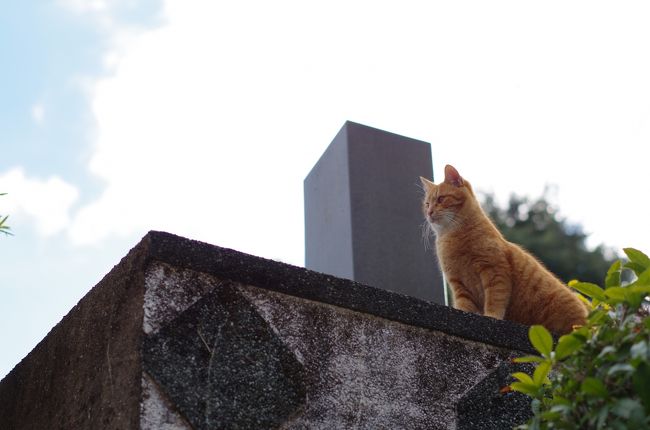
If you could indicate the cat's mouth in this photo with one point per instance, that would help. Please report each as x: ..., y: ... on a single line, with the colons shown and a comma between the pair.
x: 434, y: 219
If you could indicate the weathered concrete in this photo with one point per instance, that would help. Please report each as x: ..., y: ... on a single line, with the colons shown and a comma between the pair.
x: 186, y: 335
x: 485, y: 407
x: 86, y: 373
x: 219, y: 355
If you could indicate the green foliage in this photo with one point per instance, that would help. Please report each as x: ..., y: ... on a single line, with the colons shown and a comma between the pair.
x: 4, y: 228
x: 597, y: 376
x: 537, y: 226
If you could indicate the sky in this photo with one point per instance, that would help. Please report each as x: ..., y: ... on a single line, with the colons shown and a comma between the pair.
x: 202, y: 118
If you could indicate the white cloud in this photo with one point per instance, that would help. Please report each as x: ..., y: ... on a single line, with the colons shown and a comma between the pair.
x: 84, y: 6
x: 47, y: 202
x: 38, y: 113
x: 100, y: 11
x: 210, y: 122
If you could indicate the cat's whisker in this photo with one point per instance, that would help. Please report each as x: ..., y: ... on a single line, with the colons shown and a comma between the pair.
x: 455, y: 220
x: 449, y: 219
x: 427, y: 233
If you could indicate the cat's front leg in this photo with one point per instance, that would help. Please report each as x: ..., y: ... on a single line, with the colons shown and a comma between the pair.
x: 462, y: 298
x: 497, y: 289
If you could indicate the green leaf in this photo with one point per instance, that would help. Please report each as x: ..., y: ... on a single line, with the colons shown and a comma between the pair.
x: 528, y: 389
x: 613, y: 278
x: 639, y: 350
x: 529, y: 359
x: 597, y: 316
x: 5, y: 228
x: 634, y: 299
x: 590, y: 304
x: 620, y: 368
x: 602, y: 417
x: 559, y: 400
x: 563, y: 409
x: 550, y: 415
x: 541, y: 339
x: 594, y: 387
x: 616, y: 294
x: 643, y: 280
x: 641, y: 384
x: 625, y: 407
x: 635, y: 267
x: 589, y: 289
x: 523, y: 377
x: 535, y: 405
x: 567, y: 345
x: 582, y: 333
x: 638, y: 258
x: 639, y: 289
x: 541, y: 372
x: 609, y: 349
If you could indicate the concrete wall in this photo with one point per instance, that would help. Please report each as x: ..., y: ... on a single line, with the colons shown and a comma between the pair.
x: 185, y: 335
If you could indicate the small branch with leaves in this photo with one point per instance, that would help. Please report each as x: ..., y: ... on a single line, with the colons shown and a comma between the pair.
x: 4, y: 228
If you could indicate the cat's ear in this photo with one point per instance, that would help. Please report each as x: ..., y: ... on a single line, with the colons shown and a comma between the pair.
x: 426, y: 184
x: 452, y: 176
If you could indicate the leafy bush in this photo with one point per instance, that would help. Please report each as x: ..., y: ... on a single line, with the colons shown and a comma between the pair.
x: 598, y: 376
x: 4, y: 228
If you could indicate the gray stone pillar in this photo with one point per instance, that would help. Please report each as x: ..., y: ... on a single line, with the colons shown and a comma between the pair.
x: 362, y: 212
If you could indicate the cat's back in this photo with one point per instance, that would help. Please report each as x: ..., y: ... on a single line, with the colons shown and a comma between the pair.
x: 539, y: 297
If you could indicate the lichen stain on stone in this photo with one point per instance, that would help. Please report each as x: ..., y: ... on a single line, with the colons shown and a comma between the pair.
x: 362, y: 371
x: 169, y: 291
x: 156, y: 411
x: 369, y: 372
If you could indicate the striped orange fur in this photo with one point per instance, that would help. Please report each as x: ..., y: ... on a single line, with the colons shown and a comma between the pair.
x: 489, y: 275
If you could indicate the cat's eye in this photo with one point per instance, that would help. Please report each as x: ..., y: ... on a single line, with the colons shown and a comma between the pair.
x: 440, y: 199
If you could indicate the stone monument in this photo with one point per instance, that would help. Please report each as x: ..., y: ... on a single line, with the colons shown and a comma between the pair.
x: 362, y: 212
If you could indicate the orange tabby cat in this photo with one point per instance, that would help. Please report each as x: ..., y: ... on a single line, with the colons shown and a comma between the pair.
x: 489, y: 275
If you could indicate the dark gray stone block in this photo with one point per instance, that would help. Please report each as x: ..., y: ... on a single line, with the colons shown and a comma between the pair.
x: 222, y: 366
x: 487, y: 407
x: 362, y: 212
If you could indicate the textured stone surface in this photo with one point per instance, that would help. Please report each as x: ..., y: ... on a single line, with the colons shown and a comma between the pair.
x: 223, y: 367
x: 169, y: 292
x: 85, y: 374
x: 367, y: 372
x: 359, y: 370
x: 180, y: 329
x: 157, y: 411
x: 299, y: 282
x: 484, y: 407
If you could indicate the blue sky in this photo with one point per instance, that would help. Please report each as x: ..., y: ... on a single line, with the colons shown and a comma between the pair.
x: 50, y: 51
x: 35, y: 40
x: 203, y: 118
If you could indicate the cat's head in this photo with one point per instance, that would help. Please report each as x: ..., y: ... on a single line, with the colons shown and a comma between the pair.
x: 448, y: 204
